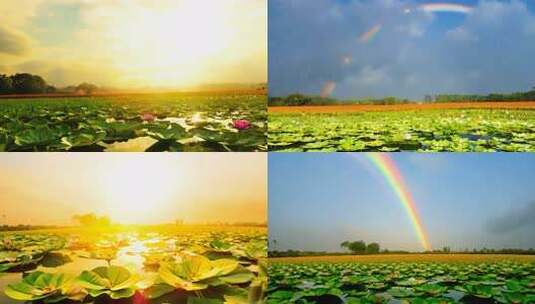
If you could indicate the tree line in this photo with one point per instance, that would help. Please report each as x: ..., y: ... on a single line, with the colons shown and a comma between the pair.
x: 352, y: 247
x: 305, y: 100
x: 22, y: 227
x: 361, y: 248
x: 25, y: 83
x: 517, y: 96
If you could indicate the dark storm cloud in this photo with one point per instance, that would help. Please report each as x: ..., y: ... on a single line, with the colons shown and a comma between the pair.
x: 314, y: 42
x: 514, y: 220
x: 13, y: 42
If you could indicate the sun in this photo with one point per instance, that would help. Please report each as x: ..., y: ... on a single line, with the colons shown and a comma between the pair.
x: 172, y: 45
x: 139, y: 190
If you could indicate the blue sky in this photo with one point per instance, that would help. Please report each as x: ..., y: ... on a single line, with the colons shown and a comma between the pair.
x: 316, y: 201
x: 415, y: 52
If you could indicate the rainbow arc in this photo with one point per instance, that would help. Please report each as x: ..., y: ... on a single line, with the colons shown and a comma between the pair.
x: 388, y: 169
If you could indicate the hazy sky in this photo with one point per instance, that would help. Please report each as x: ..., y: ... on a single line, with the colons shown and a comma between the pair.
x: 316, y: 201
x: 477, y: 46
x: 135, y: 43
x: 48, y: 188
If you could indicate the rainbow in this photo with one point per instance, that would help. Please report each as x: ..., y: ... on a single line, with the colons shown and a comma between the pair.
x: 446, y: 8
x: 386, y: 165
x: 328, y: 89
x: 369, y: 34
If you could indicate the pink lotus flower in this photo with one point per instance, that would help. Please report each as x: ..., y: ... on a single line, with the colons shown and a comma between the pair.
x: 139, y: 298
x: 241, y: 124
x: 148, y: 117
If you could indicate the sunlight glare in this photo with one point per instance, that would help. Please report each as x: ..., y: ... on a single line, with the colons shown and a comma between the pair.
x: 175, y: 45
x: 139, y: 190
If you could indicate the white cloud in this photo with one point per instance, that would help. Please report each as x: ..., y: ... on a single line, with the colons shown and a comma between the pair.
x: 490, y: 50
x: 13, y: 42
x: 415, y: 25
x: 461, y: 34
x: 369, y: 76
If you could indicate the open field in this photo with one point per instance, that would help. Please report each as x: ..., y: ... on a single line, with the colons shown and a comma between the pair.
x: 413, y: 278
x: 403, y: 107
x: 432, y: 130
x: 142, y: 122
x: 136, y: 264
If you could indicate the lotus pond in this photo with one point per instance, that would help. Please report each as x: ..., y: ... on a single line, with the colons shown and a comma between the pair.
x: 481, y: 130
x: 194, y: 266
x: 159, y: 122
x: 505, y: 281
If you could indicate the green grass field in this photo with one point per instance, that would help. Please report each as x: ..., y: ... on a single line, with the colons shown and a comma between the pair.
x: 412, y: 278
x: 476, y: 130
x: 157, y: 122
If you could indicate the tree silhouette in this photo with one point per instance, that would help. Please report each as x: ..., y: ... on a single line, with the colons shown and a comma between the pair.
x: 91, y: 220
x: 354, y: 247
x: 373, y: 248
x: 86, y: 88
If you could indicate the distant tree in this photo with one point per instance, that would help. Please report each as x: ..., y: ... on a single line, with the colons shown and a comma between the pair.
x: 275, y: 101
x: 51, y: 89
x: 373, y: 248
x: 68, y: 89
x: 428, y: 98
x: 28, y: 84
x: 390, y: 100
x: 91, y: 220
x: 354, y: 247
x: 529, y: 95
x: 446, y: 249
x: 297, y: 100
x: 358, y: 247
x: 86, y: 88
x: 6, y: 84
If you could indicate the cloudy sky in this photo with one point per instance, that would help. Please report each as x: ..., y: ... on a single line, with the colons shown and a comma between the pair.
x: 403, y: 48
x: 135, y: 43
x: 316, y: 201
x: 49, y: 188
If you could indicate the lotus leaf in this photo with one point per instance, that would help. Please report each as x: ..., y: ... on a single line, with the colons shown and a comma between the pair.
x: 448, y: 282
x: 115, y: 281
x: 93, y: 123
x: 50, y: 288
x: 432, y: 289
x: 198, y: 272
x: 475, y: 130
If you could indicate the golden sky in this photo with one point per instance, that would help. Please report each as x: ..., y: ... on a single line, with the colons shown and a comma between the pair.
x: 48, y: 188
x: 135, y: 43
